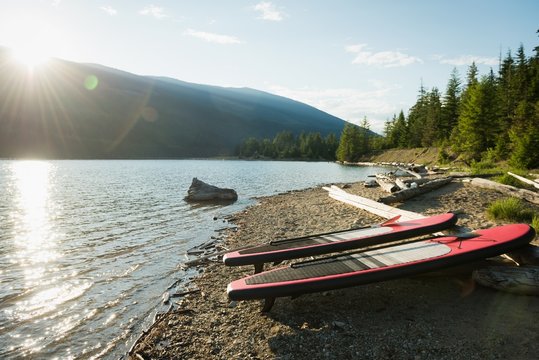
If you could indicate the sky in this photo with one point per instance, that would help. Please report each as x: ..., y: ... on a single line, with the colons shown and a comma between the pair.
x: 350, y: 58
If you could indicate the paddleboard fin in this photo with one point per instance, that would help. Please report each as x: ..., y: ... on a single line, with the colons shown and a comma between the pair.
x: 268, y: 304
x: 259, y: 268
x: 390, y: 221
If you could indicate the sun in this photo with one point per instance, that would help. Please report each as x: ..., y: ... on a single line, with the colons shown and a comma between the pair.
x: 32, y: 40
x: 30, y: 56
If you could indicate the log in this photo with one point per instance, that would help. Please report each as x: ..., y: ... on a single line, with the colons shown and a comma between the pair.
x: 371, y: 206
x: 409, y: 193
x: 417, y: 181
x: 387, y: 185
x: 527, y: 195
x: 524, y: 180
x: 522, y: 280
x: 526, y: 255
x: 413, y: 173
x: 401, y: 184
x: 370, y: 183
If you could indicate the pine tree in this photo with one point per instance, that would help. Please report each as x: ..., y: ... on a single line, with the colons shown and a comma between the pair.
x: 450, y: 105
x: 417, y: 118
x: 331, y: 144
x: 348, y: 149
x: 431, y: 128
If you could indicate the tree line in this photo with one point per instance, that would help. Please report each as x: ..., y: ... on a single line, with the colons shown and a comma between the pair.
x: 492, y: 117
x: 285, y: 145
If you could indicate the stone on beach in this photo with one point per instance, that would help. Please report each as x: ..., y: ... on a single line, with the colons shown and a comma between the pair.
x: 201, y: 191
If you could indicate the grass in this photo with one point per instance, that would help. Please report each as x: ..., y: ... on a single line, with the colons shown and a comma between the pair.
x: 535, y: 223
x: 512, y: 209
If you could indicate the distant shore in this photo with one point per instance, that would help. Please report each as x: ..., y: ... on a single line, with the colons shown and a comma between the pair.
x: 429, y: 317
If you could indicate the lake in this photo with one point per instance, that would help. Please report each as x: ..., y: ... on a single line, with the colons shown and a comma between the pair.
x: 88, y: 247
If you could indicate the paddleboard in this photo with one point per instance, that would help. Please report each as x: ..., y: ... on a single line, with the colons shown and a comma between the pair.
x: 379, y: 264
x: 392, y: 230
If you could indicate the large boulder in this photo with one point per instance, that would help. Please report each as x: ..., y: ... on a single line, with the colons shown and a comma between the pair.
x: 200, y: 191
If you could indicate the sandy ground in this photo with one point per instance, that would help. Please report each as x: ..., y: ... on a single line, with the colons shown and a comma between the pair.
x: 441, y: 316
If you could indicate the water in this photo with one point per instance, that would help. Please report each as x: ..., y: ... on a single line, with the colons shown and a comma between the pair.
x: 87, y: 248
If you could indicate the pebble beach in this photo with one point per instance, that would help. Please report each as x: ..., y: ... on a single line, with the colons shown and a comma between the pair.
x: 441, y: 315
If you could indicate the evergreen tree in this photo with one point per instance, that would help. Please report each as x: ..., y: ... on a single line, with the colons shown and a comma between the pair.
x: 477, y: 128
x: 450, y: 105
x: 348, y: 149
x: 417, y: 117
x: 331, y: 144
x: 431, y: 127
x: 401, y: 130
x: 285, y: 145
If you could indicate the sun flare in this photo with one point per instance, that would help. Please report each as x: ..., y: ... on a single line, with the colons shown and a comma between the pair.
x: 30, y: 56
x: 33, y: 40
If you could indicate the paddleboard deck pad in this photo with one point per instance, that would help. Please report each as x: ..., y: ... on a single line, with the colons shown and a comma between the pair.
x: 279, y: 250
x: 382, y: 263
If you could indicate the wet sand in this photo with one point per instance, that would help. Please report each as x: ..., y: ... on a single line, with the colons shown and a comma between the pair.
x: 440, y: 316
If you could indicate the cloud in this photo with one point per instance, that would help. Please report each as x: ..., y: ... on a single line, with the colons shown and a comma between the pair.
x: 155, y: 11
x: 468, y: 59
x: 383, y: 58
x: 212, y: 37
x: 347, y: 103
x: 109, y: 10
x: 268, y: 11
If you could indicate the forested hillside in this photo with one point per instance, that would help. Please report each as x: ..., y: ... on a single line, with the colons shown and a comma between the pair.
x: 65, y: 109
x: 493, y: 116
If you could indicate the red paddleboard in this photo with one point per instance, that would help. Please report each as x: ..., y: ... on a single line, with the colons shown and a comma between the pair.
x: 391, y: 230
x: 379, y: 264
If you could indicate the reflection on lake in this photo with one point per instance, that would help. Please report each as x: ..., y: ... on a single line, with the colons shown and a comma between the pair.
x: 88, y: 247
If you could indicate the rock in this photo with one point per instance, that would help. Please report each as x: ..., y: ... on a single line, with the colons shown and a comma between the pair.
x: 200, y: 191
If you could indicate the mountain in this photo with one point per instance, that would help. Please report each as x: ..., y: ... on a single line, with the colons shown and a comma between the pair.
x: 72, y: 110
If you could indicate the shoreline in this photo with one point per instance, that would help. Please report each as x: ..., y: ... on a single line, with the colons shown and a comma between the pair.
x: 418, y: 317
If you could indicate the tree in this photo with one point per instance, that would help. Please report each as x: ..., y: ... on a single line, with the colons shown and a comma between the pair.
x: 331, y: 144
x: 417, y: 119
x: 285, y: 145
x: 348, y: 149
x: 477, y: 128
x: 450, y: 105
x: 431, y: 127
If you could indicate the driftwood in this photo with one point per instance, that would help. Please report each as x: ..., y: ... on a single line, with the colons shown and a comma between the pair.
x: 401, y: 184
x: 387, y: 185
x: 459, y: 175
x: 413, y: 173
x: 371, y: 206
x: 526, y: 255
x: 527, y: 195
x: 522, y: 280
x: 411, y: 192
x: 524, y: 180
x: 417, y: 181
x: 370, y: 183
